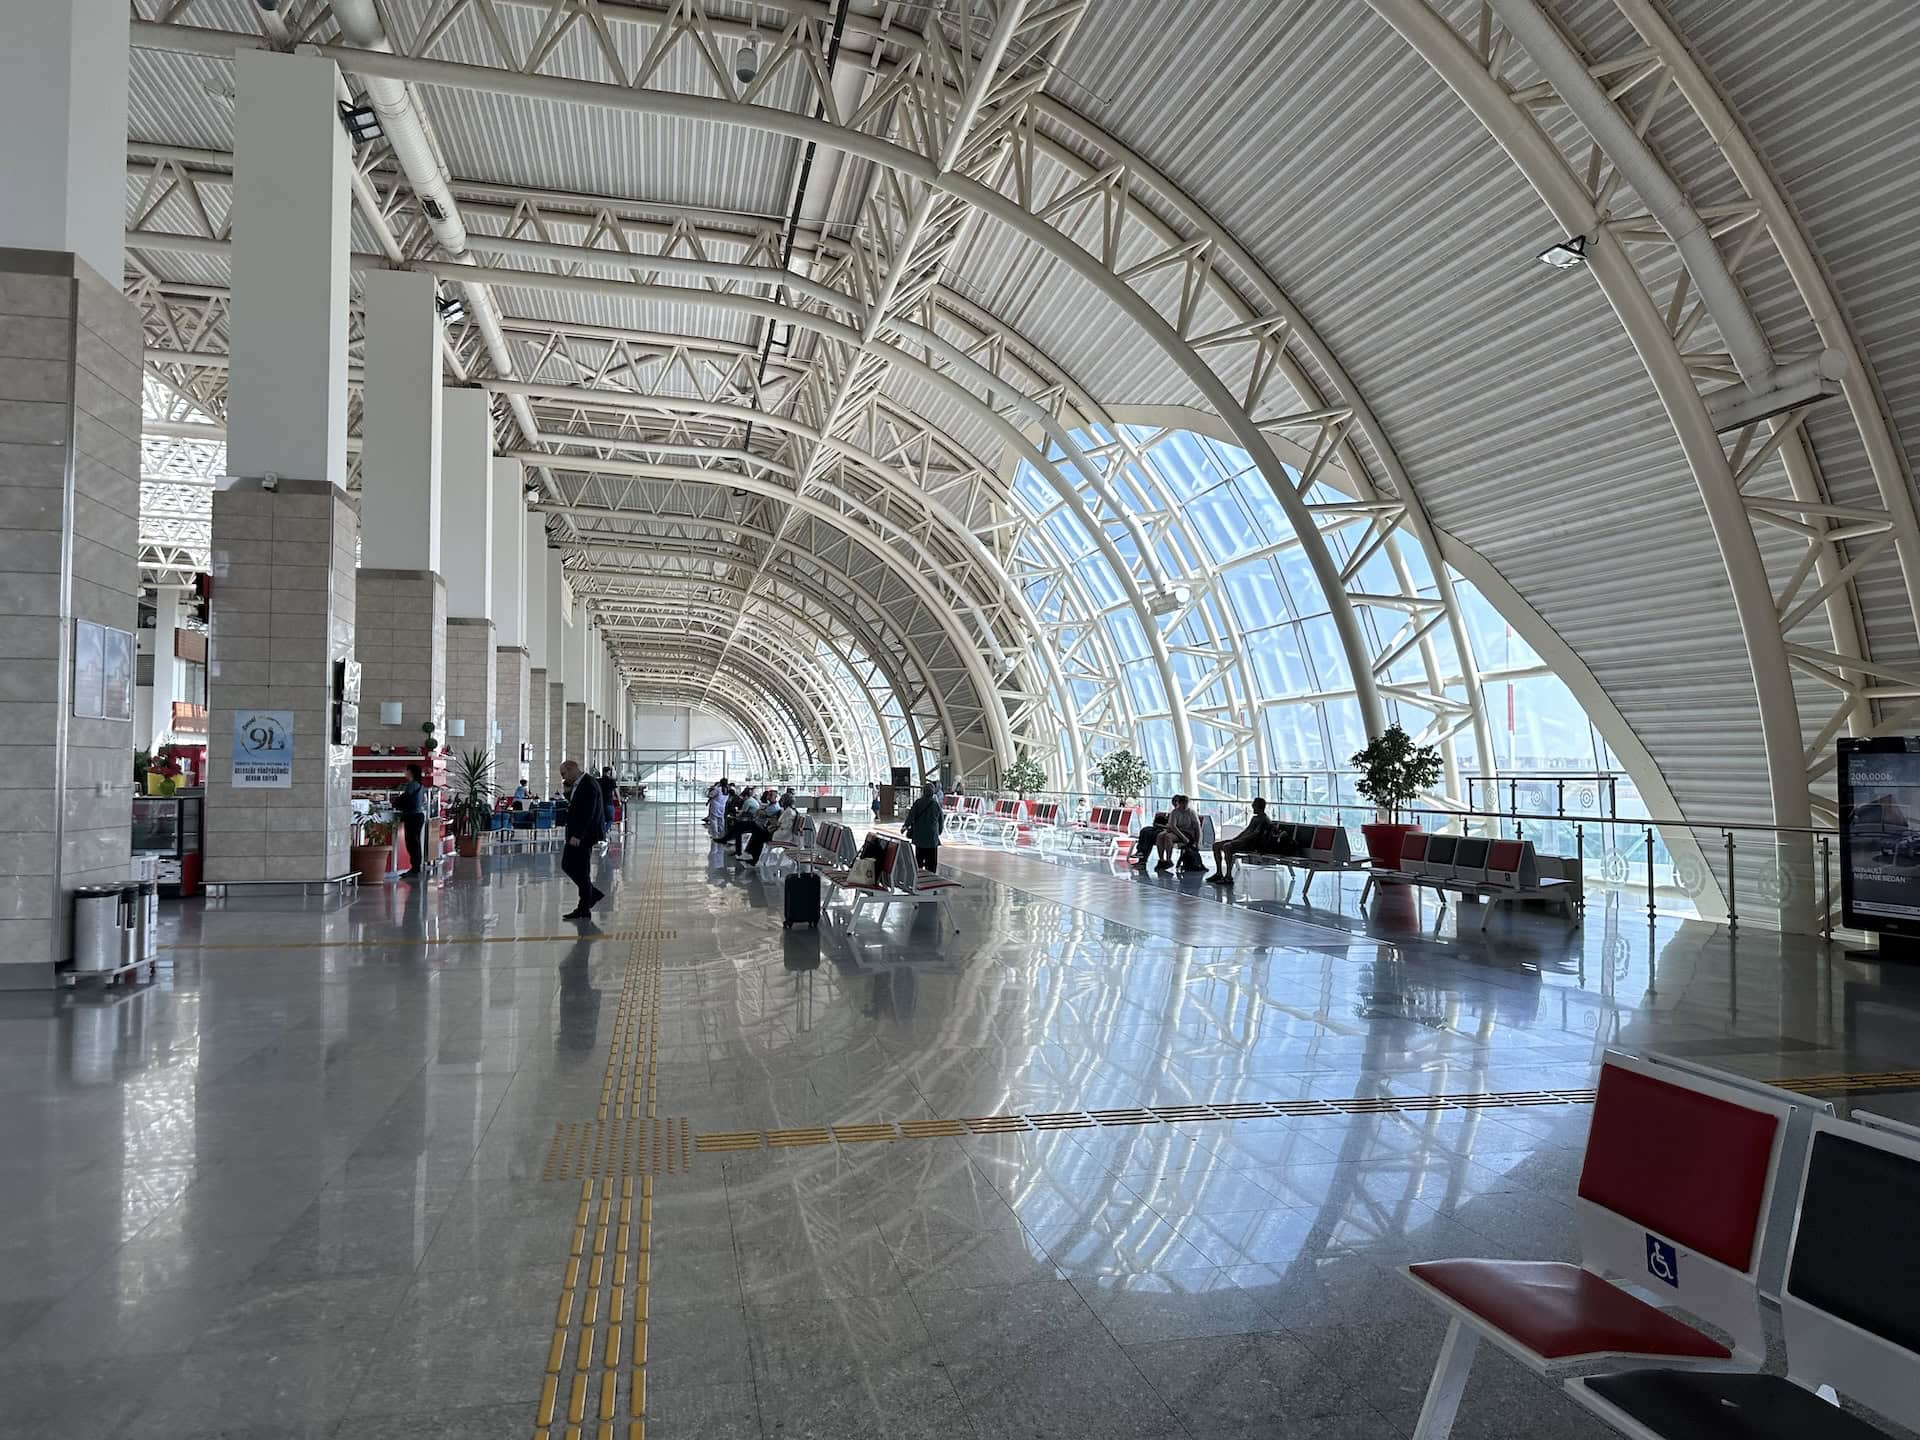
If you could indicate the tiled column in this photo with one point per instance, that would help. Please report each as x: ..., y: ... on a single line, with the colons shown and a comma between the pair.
x: 401, y: 642
x: 284, y: 535
x: 534, y: 551
x: 576, y: 733
x: 466, y: 562
x: 561, y: 681
x: 556, y: 731
x: 471, y: 685
x: 283, y: 609
x: 509, y: 621
x: 70, y: 358
x: 402, y: 599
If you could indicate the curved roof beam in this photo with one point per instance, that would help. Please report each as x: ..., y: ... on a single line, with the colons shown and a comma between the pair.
x: 923, y: 170
x: 982, y: 678
x: 615, y: 611
x: 772, y: 693
x: 1841, y: 546
x: 859, y: 613
x: 1574, y: 208
x: 747, y: 724
x: 1092, y: 523
x: 831, y: 692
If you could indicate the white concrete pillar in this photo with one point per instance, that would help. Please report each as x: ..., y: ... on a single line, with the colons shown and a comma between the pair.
x: 402, y: 600
x: 512, y: 663
x: 575, y: 643
x: 402, y: 455
x: 283, y: 548
x: 466, y: 563
x: 63, y: 100
x: 287, y: 386
x: 539, y: 688
x: 466, y: 514
x: 157, y: 724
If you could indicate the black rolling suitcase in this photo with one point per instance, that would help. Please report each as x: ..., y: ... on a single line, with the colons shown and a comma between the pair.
x: 802, y: 900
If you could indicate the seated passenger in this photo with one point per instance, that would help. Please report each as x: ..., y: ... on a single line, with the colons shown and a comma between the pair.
x: 1259, y: 838
x: 1182, y: 829
x: 1149, y: 834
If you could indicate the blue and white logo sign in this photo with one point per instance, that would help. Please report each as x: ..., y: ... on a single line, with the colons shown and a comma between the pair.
x: 1662, y: 1262
x: 263, y: 749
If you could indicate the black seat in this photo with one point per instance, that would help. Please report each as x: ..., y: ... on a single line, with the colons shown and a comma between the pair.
x: 1706, y: 1405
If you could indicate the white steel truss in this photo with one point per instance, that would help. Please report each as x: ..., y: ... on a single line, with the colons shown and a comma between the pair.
x: 1701, y: 345
x: 1261, y: 343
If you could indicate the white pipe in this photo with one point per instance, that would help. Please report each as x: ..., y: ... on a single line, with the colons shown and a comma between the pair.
x: 1744, y: 340
x: 407, y: 134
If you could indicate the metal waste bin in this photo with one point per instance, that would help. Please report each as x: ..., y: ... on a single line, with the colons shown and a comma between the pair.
x: 105, y: 927
x: 147, y: 947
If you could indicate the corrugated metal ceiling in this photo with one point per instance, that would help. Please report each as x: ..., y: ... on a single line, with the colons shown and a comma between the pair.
x: 1406, y: 237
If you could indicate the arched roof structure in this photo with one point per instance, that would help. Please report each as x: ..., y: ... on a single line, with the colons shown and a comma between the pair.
x: 872, y: 370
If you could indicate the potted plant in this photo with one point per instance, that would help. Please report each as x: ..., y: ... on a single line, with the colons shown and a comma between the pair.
x: 1123, y: 775
x: 158, y: 773
x: 1024, y: 776
x: 470, y: 790
x: 1393, y: 771
x: 374, y: 853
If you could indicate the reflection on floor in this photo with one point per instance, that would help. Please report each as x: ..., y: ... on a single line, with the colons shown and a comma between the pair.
x: 295, y: 1189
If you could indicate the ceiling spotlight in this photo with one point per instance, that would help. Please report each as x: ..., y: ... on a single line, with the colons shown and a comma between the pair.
x: 533, y: 494
x: 746, y: 64
x: 361, y: 122
x: 452, y: 309
x: 1567, y: 254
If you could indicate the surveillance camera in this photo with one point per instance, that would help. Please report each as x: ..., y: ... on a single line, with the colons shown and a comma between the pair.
x: 533, y: 494
x: 746, y: 64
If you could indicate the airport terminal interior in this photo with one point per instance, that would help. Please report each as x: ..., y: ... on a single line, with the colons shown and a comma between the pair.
x: 1024, y: 719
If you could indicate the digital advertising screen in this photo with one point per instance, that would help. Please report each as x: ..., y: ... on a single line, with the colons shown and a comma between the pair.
x: 1880, y: 834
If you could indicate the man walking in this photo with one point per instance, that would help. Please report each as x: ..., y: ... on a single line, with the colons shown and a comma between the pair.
x: 586, y: 828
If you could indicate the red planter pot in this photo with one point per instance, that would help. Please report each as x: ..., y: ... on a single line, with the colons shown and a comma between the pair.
x: 1384, y: 842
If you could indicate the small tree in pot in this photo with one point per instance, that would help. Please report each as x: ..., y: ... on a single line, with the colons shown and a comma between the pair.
x: 1393, y: 771
x: 1025, y: 776
x: 471, y: 810
x: 1123, y: 775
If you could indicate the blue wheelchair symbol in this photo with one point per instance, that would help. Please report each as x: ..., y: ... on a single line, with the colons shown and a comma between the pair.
x: 1662, y: 1262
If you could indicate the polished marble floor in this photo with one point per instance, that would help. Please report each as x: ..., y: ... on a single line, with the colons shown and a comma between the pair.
x: 297, y: 1188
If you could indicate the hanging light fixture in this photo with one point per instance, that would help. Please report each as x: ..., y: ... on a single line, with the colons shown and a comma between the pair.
x: 1566, y: 255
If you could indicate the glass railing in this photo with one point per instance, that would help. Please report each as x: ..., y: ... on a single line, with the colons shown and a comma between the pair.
x: 1732, y: 873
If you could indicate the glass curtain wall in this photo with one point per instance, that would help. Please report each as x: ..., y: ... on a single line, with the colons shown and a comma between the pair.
x: 1231, y: 527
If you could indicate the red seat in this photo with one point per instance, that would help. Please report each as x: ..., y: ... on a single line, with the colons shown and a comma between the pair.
x: 1561, y: 1311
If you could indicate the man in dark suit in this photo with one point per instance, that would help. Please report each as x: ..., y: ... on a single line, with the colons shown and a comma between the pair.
x: 586, y: 828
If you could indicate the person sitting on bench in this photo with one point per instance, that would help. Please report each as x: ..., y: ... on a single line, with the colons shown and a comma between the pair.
x: 1149, y: 835
x: 1182, y: 829
x: 1259, y: 838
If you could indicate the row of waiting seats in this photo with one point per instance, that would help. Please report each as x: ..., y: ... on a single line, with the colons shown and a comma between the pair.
x: 1708, y: 1193
x: 832, y: 850
x: 1306, y: 849
x: 1497, y: 871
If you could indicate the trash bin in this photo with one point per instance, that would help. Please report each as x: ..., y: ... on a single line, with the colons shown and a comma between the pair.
x: 105, y: 922
x: 148, y: 946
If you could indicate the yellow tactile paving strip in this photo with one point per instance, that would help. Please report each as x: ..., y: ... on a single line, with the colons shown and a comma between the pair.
x: 882, y: 1130
x: 599, y: 1346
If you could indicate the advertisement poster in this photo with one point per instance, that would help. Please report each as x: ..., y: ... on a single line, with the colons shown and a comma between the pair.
x: 263, y: 749
x: 1882, y: 833
x: 89, y: 669
x: 116, y: 685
